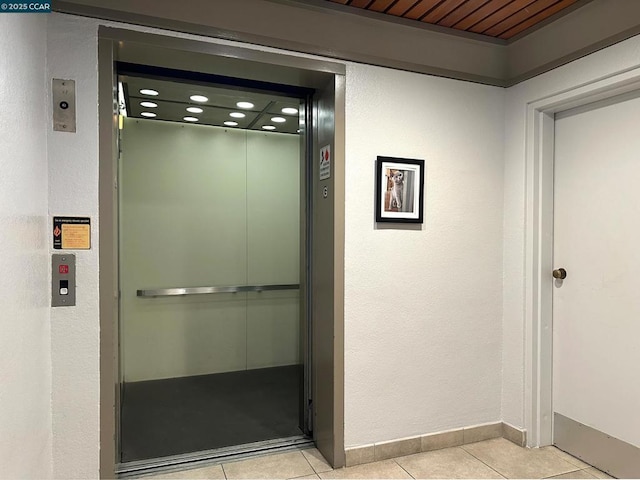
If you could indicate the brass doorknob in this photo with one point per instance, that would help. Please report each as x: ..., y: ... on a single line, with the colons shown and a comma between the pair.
x: 560, y: 273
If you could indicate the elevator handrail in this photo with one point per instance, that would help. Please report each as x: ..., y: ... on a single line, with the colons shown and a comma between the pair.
x: 170, y: 292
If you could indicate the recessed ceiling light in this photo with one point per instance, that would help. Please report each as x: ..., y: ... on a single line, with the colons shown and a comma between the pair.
x: 194, y: 109
x: 237, y: 115
x: 268, y: 127
x: 278, y: 119
x: 231, y: 124
x: 245, y: 105
x: 199, y: 98
x: 190, y: 119
x: 149, y: 104
x: 289, y: 111
x: 148, y: 91
x: 298, y: 131
x: 148, y: 114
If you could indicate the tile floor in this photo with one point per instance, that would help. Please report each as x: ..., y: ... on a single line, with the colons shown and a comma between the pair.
x: 497, y: 458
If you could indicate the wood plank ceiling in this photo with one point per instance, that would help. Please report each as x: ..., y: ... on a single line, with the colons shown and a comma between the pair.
x: 496, y: 18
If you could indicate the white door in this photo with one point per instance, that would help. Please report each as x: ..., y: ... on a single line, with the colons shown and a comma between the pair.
x: 596, y: 308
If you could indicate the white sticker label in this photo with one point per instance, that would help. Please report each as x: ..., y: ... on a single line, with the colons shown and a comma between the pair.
x: 325, y: 162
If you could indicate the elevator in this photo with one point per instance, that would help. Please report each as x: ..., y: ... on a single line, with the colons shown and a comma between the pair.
x: 223, y: 253
x: 212, y: 338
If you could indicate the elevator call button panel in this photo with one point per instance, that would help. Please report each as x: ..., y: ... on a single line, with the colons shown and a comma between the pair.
x: 64, y: 105
x: 63, y: 280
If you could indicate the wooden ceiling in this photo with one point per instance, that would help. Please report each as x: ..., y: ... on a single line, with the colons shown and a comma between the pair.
x: 496, y: 18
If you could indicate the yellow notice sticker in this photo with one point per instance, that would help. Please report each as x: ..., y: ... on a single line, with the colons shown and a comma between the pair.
x: 76, y: 237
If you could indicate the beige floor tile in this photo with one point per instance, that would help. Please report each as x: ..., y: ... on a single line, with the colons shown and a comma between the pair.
x: 446, y: 463
x: 384, y: 469
x: 578, y: 474
x: 213, y: 472
x: 317, y: 461
x: 569, y: 458
x: 281, y: 465
x: 513, y: 461
x: 597, y: 473
x: 307, y: 477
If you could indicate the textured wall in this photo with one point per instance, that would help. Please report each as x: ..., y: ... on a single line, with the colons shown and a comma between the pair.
x: 423, y: 306
x: 617, y: 58
x: 25, y: 363
x: 424, y: 344
x: 73, y: 190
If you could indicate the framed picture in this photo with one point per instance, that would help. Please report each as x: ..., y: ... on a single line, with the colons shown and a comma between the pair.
x: 399, y: 190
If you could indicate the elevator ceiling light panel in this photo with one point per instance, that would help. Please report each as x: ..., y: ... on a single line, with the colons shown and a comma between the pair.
x: 174, y: 103
x: 199, y: 98
x: 148, y: 104
x: 190, y: 119
x: 148, y: 91
x: 148, y: 114
x: 278, y: 119
x: 268, y: 127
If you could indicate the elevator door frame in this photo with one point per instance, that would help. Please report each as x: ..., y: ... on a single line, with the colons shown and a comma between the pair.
x: 323, y: 76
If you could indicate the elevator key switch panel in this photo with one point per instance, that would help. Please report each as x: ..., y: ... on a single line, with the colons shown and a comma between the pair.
x: 64, y: 105
x: 63, y: 280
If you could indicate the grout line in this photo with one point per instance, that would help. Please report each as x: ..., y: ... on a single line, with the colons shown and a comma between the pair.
x: 579, y: 470
x: 555, y: 450
x: 485, y: 463
x: 404, y: 469
x: 313, y: 469
x: 223, y: 471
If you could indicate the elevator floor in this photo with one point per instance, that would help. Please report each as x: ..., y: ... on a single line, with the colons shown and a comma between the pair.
x: 188, y: 414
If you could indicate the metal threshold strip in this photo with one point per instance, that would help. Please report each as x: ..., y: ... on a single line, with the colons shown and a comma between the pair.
x: 171, y: 292
x: 211, y: 457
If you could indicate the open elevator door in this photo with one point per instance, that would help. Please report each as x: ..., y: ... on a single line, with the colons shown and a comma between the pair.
x: 213, y: 235
x: 326, y: 79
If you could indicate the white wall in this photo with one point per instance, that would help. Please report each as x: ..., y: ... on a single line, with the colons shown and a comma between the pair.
x: 423, y: 305
x: 25, y: 363
x: 73, y: 190
x: 617, y: 58
x: 424, y: 349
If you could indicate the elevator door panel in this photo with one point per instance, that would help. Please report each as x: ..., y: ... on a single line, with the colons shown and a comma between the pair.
x: 273, y: 235
x: 183, y: 224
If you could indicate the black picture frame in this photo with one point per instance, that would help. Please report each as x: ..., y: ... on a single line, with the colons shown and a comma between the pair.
x: 399, y: 190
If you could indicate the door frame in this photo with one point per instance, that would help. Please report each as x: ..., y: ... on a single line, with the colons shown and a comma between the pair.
x: 312, y: 71
x: 538, y: 287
